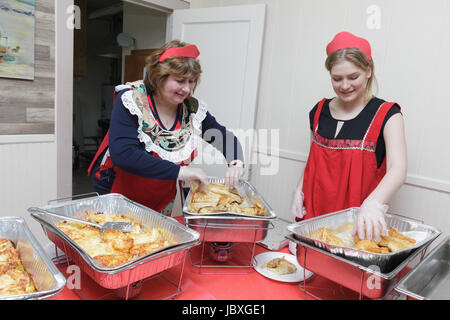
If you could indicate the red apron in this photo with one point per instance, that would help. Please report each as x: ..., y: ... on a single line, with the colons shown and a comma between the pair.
x: 341, y: 173
x: 152, y: 193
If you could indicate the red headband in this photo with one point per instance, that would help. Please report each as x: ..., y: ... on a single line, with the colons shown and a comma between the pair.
x: 190, y: 51
x: 347, y: 40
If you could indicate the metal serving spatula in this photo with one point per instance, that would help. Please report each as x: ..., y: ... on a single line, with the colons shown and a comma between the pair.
x: 121, y: 226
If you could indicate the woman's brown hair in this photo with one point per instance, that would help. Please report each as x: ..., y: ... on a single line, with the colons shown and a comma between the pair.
x: 157, y: 72
x: 359, y: 59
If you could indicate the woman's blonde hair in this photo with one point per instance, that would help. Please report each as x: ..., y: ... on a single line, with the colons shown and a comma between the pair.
x: 359, y: 59
x: 157, y: 72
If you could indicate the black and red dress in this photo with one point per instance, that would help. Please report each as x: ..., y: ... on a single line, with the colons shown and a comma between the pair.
x: 343, y: 170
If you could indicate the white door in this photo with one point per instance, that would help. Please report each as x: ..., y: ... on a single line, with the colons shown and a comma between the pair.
x: 230, y: 43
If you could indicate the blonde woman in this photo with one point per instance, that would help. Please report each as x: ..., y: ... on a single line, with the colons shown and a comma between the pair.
x: 156, y: 127
x: 358, y: 150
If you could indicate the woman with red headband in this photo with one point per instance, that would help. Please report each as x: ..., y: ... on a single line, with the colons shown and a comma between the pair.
x: 358, y: 150
x: 156, y: 127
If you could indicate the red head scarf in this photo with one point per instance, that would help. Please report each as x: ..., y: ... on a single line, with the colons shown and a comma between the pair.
x: 347, y: 40
x: 190, y: 51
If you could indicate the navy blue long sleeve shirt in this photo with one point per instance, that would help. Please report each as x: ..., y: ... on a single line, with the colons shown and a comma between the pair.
x: 129, y: 154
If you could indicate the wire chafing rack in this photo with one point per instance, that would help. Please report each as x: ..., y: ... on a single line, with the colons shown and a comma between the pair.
x: 132, y: 289
x: 128, y: 278
x: 364, y: 281
x: 372, y: 275
x: 237, y: 258
x: 243, y: 232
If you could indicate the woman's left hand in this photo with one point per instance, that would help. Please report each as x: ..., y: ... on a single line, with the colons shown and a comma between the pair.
x: 370, y: 222
x: 234, y: 173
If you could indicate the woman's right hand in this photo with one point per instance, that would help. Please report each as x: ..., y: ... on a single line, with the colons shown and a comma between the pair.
x: 194, y: 175
x: 297, y: 208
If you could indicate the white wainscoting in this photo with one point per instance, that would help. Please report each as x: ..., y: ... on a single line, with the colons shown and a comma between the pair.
x: 28, y: 177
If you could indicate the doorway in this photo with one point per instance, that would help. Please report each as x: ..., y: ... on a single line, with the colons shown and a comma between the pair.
x: 100, y: 65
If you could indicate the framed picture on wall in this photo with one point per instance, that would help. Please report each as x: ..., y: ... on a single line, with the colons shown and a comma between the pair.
x: 17, y: 21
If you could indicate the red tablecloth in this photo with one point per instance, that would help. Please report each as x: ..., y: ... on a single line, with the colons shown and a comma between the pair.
x: 198, y: 284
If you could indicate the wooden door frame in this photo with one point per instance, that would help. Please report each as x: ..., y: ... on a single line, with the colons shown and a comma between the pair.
x: 63, y: 98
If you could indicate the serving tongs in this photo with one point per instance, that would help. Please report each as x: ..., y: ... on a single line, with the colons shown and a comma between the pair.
x: 116, y: 225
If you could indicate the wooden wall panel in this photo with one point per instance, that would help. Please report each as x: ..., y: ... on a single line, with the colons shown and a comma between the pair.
x: 27, y: 106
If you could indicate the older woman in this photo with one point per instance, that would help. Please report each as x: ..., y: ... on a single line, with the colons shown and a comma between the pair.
x: 156, y: 128
x: 358, y: 150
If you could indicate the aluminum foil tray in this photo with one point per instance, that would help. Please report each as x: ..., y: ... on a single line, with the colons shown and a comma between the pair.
x: 47, y: 279
x: 246, y: 190
x: 367, y: 281
x: 132, y: 271
x: 229, y: 226
x: 385, y: 262
x: 430, y: 280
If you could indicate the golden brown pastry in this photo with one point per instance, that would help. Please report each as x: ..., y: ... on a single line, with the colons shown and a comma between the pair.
x: 112, y: 260
x: 114, y: 248
x: 393, y: 242
x: 325, y: 235
x: 280, y: 266
x: 371, y: 246
x: 14, y: 279
x: 217, y: 198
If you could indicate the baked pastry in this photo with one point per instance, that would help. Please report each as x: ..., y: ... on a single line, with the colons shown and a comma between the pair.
x: 371, y: 246
x: 218, y: 198
x: 280, y: 266
x: 114, y: 248
x: 393, y: 242
x: 325, y: 235
x: 14, y: 279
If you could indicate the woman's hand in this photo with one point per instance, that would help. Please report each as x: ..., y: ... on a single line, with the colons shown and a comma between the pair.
x: 297, y: 207
x: 370, y: 222
x: 194, y: 175
x: 234, y: 173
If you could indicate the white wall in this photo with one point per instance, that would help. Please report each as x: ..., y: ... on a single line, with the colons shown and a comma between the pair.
x: 410, y: 51
x: 28, y: 176
x: 37, y: 168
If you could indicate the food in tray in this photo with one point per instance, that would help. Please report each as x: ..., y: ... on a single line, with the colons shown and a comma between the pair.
x: 325, y: 235
x: 280, y: 266
x: 218, y: 198
x: 394, y: 241
x: 14, y: 279
x: 370, y: 245
x: 114, y: 248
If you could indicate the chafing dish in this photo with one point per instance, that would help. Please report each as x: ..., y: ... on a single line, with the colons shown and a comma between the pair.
x: 386, y: 262
x: 367, y: 281
x: 229, y: 226
x: 430, y: 279
x: 48, y: 280
x: 132, y: 271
